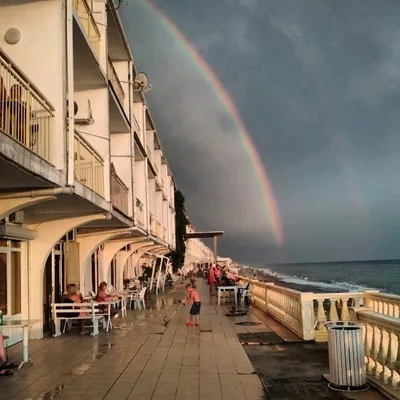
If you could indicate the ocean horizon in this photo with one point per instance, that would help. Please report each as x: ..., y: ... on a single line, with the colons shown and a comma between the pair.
x: 339, y: 276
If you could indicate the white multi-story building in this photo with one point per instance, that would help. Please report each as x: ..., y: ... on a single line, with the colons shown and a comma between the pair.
x: 85, y: 188
x: 196, y: 251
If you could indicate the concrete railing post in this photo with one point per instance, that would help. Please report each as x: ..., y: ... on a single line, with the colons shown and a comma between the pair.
x: 307, y: 316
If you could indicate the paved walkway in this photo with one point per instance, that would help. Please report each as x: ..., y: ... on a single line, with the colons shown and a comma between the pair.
x: 143, y: 360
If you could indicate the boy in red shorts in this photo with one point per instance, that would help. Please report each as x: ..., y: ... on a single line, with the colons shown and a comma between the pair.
x: 195, y: 309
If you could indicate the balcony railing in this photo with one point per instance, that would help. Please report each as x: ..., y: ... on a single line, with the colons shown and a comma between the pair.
x: 89, y: 166
x: 25, y: 114
x: 139, y: 213
x: 152, y: 224
x: 116, y: 83
x: 306, y: 315
x: 158, y: 230
x: 89, y: 25
x: 149, y: 154
x: 382, y: 349
x: 119, y: 193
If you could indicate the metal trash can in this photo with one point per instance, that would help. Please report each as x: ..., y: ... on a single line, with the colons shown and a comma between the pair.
x: 346, y: 356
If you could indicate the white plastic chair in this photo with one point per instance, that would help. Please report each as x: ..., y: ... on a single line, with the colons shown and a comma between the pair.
x: 138, y: 300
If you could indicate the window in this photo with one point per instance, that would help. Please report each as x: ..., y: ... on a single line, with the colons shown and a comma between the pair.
x: 10, y: 277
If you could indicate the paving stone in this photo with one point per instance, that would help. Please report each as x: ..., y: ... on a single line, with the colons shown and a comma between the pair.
x: 136, y: 362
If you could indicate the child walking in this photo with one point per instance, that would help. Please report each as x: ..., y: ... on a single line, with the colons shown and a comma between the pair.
x: 195, y: 309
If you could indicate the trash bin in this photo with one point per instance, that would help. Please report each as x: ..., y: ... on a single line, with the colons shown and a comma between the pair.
x: 346, y: 356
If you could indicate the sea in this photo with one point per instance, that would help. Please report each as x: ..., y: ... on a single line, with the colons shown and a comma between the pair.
x: 353, y: 276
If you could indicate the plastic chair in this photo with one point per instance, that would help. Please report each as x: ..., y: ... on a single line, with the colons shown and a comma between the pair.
x: 138, y: 300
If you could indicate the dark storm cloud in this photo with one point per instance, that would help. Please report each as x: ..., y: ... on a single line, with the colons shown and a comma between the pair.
x: 317, y: 84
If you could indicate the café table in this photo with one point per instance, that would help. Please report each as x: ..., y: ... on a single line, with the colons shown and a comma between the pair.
x: 25, y: 325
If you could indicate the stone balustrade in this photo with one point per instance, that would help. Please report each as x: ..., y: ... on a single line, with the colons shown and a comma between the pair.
x: 382, y: 349
x: 386, y: 304
x: 332, y: 307
x: 306, y: 314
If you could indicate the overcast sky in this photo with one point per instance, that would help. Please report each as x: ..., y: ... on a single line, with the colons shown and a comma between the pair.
x: 317, y: 84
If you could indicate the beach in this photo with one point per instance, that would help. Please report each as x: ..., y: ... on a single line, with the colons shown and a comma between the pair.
x: 266, y: 276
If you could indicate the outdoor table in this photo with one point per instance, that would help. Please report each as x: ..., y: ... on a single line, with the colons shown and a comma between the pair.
x: 122, y: 296
x: 23, y: 324
x: 221, y: 289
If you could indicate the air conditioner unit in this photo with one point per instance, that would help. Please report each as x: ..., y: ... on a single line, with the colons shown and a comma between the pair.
x: 83, y: 112
x: 17, y: 217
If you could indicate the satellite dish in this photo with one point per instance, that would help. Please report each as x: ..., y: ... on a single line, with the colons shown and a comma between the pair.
x: 141, y: 82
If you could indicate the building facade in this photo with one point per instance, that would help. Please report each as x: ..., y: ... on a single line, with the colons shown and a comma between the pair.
x: 85, y: 187
x: 196, y: 251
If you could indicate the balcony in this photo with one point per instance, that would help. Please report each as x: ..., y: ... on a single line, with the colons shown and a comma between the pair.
x: 115, y: 82
x: 89, y: 25
x: 119, y: 193
x: 158, y: 230
x: 149, y: 154
x: 89, y: 166
x: 152, y: 224
x: 139, y: 213
x: 25, y: 114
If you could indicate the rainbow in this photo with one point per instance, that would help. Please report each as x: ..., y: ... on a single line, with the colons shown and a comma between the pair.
x: 227, y: 103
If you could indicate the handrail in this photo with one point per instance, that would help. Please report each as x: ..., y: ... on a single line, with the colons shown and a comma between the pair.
x: 89, y: 24
x: 115, y: 81
x: 25, y: 114
x: 89, y: 166
x: 119, y: 193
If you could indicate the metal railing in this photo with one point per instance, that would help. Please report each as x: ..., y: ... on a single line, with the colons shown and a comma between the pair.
x: 89, y: 25
x: 116, y: 83
x: 89, y: 166
x: 119, y: 193
x: 25, y: 114
x: 139, y: 213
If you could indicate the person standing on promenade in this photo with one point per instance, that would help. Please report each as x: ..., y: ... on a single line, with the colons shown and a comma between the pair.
x: 211, y: 279
x: 194, y: 312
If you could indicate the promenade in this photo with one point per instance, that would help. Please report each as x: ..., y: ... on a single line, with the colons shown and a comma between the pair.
x: 141, y: 360
x: 144, y: 360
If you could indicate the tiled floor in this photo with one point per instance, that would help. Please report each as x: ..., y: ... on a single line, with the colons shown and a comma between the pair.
x: 143, y: 359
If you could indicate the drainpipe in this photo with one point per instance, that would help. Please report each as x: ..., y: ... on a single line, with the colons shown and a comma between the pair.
x: 37, y: 193
x: 131, y: 142
x: 70, y: 94
x: 146, y: 175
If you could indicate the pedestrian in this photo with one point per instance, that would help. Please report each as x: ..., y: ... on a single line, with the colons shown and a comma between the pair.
x: 194, y: 312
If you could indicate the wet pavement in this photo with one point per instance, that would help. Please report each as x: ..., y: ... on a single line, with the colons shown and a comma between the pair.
x: 142, y: 359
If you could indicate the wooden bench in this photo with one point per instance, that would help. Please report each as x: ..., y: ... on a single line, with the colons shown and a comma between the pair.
x: 72, y: 311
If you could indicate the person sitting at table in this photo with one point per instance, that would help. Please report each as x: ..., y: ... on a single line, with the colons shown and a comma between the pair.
x: 73, y: 296
x: 5, y: 366
x: 103, y: 297
x: 225, y: 281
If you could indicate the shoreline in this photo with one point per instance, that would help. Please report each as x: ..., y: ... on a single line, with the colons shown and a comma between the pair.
x: 264, y: 276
